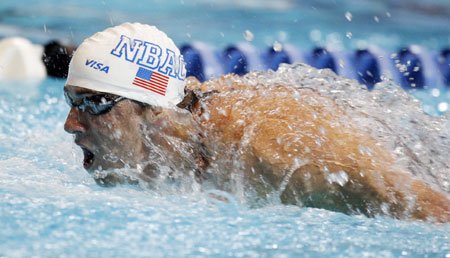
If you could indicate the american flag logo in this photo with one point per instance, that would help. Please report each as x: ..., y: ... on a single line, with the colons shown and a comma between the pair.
x: 151, y: 80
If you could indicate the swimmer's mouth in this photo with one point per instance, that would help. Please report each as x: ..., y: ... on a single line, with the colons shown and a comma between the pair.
x: 88, y: 158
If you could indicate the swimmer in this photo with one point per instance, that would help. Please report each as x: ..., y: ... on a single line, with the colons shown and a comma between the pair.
x: 21, y: 60
x: 131, y: 107
x: 56, y: 58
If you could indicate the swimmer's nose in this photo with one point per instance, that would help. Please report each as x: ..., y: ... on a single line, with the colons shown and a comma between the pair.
x: 73, y: 124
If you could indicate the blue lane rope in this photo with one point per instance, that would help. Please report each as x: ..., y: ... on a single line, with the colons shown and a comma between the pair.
x: 412, y: 68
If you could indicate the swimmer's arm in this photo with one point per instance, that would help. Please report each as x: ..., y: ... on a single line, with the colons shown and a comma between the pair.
x: 282, y: 146
x: 416, y: 199
x: 369, y: 185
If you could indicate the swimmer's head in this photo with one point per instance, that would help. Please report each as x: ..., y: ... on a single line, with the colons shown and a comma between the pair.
x: 123, y: 88
x: 132, y: 60
x: 56, y: 58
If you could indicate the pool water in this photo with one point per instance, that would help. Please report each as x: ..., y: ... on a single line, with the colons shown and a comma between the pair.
x: 49, y: 206
x: 349, y: 23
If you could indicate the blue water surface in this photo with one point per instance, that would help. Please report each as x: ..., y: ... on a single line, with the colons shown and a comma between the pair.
x: 49, y: 206
x: 305, y: 24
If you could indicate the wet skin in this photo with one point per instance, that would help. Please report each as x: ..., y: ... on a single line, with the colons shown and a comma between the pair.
x: 102, y: 137
x: 280, y: 143
x: 129, y: 135
x: 297, y: 140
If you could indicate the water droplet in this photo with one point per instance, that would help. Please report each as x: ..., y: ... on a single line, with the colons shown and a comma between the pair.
x: 388, y: 14
x: 188, y: 35
x: 435, y: 92
x: 385, y: 208
x: 248, y: 35
x: 340, y: 178
x: 222, y: 34
x: 443, y: 107
x: 277, y: 46
x: 376, y: 19
x: 45, y: 28
x: 446, y: 184
x: 206, y: 116
x: 416, y: 69
x: 322, y: 130
x: 349, y: 35
x: 348, y: 16
x: 402, y: 68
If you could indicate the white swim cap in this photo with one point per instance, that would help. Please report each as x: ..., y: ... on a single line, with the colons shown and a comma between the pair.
x: 132, y: 60
x: 21, y: 60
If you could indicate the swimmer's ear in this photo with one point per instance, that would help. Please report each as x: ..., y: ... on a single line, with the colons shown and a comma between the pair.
x: 190, y: 99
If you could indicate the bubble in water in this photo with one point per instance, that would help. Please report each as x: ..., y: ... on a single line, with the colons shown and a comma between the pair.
x: 277, y: 46
x: 349, y: 35
x: 248, y: 35
x: 443, y: 107
x: 348, y: 16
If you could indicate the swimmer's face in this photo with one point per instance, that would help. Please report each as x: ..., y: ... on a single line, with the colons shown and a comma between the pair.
x: 113, y: 132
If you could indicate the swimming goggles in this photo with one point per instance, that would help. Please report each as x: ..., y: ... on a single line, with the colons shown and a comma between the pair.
x: 98, y: 104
